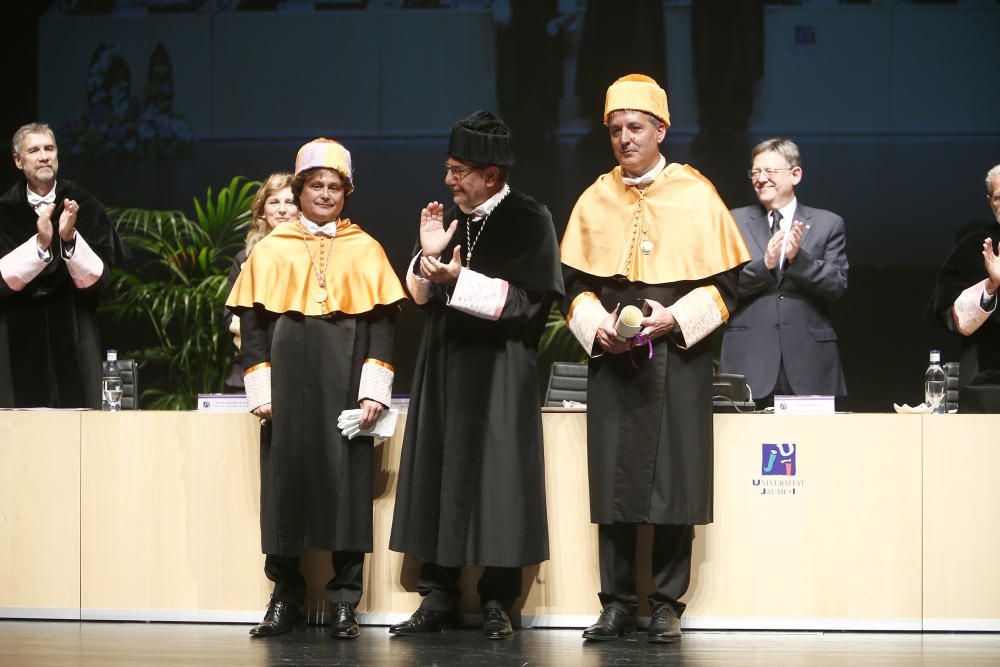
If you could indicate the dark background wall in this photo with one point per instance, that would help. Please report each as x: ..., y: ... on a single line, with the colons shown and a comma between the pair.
x: 893, y: 106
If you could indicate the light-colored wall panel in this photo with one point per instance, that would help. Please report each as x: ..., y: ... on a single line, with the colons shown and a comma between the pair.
x: 390, y: 578
x: 169, y: 519
x: 961, y: 514
x: 170, y: 512
x: 567, y: 584
x: 843, y: 548
x: 40, y: 514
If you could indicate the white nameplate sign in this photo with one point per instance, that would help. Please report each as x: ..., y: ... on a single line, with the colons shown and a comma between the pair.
x: 803, y: 405
x: 222, y: 403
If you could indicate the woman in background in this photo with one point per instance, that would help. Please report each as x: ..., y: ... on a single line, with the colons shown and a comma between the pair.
x: 273, y: 205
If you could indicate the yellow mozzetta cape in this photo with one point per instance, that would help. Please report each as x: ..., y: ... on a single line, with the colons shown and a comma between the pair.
x: 692, y: 232
x: 279, y: 276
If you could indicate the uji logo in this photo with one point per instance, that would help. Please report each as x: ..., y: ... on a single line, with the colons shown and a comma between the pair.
x: 778, y: 459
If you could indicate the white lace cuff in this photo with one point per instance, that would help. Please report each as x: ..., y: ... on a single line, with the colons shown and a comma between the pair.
x: 22, y: 264
x: 85, y: 267
x: 257, y: 380
x: 585, y: 316
x: 376, y: 381
x: 968, y: 310
x: 419, y: 287
x: 699, y: 313
x: 479, y: 295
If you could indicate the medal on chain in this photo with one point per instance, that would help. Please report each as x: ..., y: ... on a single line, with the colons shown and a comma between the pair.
x: 318, y: 295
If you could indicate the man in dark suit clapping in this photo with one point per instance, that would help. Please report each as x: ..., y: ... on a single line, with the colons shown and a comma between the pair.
x: 781, y: 336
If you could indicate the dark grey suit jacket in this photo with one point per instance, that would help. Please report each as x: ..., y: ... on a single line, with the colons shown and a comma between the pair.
x: 784, y: 316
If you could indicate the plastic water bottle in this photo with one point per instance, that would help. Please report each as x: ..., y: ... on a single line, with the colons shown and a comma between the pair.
x: 111, y: 384
x: 934, y: 384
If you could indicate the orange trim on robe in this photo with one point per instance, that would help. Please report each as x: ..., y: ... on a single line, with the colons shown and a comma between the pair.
x: 692, y: 232
x: 713, y: 291
x: 581, y: 297
x: 257, y: 367
x: 279, y: 276
x: 379, y: 362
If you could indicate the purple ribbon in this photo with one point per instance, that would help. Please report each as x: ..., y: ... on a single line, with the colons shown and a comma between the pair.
x: 639, y: 340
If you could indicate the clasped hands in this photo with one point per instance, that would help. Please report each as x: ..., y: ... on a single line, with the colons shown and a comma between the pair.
x: 659, y: 322
x: 67, y: 223
x: 773, y: 252
x: 371, y: 411
x: 434, y: 238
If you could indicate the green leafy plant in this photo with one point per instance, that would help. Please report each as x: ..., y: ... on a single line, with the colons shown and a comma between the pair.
x: 557, y: 343
x: 177, y: 284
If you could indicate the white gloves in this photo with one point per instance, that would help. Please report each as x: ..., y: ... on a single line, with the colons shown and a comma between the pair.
x: 349, y: 423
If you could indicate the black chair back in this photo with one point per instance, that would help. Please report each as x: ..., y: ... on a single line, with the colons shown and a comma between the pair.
x: 130, y: 383
x: 567, y: 382
x: 951, y: 385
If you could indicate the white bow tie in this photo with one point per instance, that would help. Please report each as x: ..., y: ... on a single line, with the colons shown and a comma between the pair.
x: 329, y: 229
x: 35, y: 201
x: 645, y: 179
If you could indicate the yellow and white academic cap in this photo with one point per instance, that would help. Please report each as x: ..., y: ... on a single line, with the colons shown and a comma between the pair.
x: 328, y: 154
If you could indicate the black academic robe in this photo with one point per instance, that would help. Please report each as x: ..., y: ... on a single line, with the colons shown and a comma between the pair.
x: 315, y: 484
x: 963, y: 269
x: 472, y: 479
x: 649, y: 421
x: 50, y: 343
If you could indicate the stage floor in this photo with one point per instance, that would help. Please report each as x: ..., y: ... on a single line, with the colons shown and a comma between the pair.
x: 84, y: 644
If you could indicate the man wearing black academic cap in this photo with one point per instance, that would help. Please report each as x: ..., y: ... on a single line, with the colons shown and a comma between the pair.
x: 471, y: 480
x: 57, y: 247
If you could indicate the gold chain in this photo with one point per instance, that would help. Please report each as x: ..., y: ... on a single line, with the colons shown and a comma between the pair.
x: 324, y: 257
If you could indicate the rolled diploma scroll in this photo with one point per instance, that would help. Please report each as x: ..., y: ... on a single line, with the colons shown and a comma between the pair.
x: 629, y: 322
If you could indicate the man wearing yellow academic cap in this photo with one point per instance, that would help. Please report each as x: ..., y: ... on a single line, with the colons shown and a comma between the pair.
x: 316, y: 301
x: 655, y: 237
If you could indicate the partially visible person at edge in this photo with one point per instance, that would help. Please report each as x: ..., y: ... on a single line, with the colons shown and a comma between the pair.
x: 965, y: 293
x: 273, y: 205
x: 472, y: 476
x: 316, y: 300
x: 656, y: 236
x: 57, y: 249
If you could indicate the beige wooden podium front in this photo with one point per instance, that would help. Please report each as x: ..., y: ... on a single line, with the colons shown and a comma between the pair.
x: 886, y: 523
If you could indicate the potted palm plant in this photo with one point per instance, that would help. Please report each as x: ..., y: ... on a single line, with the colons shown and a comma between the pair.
x: 177, y: 285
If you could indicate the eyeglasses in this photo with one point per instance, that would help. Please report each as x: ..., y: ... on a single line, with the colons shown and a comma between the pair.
x: 771, y: 172
x: 457, y: 171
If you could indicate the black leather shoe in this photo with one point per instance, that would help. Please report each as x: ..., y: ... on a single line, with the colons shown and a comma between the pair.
x: 664, y: 626
x: 496, y: 623
x: 611, y: 624
x: 344, y: 624
x: 281, y: 617
x: 424, y: 621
